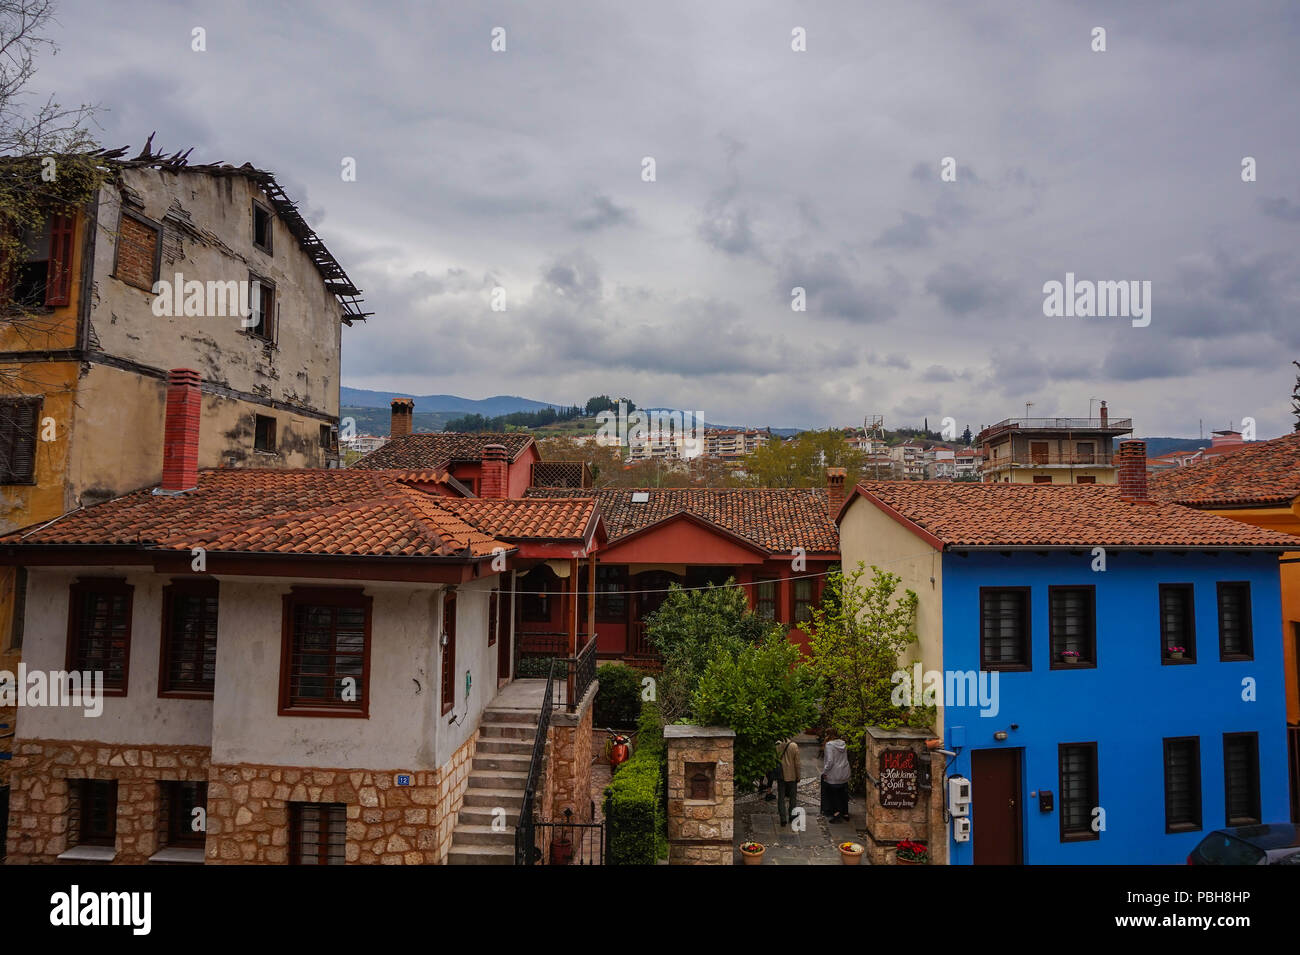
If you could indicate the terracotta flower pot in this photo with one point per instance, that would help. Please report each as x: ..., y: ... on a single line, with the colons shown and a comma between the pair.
x: 851, y: 856
x: 753, y: 858
x: 907, y: 862
x: 933, y: 743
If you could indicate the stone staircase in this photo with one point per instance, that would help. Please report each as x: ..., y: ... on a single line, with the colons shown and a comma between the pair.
x: 496, y: 781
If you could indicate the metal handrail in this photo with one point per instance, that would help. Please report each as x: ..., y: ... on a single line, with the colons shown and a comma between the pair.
x: 525, y: 849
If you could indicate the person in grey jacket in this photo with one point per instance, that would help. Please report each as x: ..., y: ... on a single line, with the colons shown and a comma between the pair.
x: 787, y: 782
x: 835, y: 774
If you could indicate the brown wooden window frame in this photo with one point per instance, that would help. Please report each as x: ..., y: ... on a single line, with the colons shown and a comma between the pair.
x: 1254, y: 819
x: 1026, y: 660
x: 176, y: 824
x: 15, y: 410
x: 801, y: 608
x: 494, y: 615
x: 766, y: 606
x: 78, y: 591
x: 611, y: 593
x: 1194, y: 785
x: 1247, y: 625
x: 1189, y: 641
x: 447, y: 651
x: 263, y: 437
x: 205, y: 588
x: 347, y: 598
x: 1088, y: 654
x: 1074, y: 834
x: 269, y: 246
x: 157, y: 229
x: 267, y: 306
x: 82, y: 808
x: 327, y: 813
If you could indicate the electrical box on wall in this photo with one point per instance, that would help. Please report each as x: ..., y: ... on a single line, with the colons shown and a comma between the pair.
x: 961, y: 829
x: 1045, y: 800
x: 958, y: 796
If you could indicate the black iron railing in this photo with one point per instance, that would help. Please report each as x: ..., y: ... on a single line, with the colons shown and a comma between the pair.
x: 526, y: 852
x: 582, y: 671
x: 571, y: 843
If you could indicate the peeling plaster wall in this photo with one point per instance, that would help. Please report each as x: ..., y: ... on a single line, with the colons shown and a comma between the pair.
x: 208, y: 236
x: 118, y: 439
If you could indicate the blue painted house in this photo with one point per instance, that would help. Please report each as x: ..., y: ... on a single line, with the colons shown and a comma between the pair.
x: 1112, y: 671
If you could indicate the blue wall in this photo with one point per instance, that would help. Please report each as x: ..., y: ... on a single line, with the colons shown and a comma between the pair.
x: 1129, y: 703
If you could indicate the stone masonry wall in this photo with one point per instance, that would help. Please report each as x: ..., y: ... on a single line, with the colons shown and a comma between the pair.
x: 38, y: 803
x: 248, y: 810
x: 248, y: 805
x: 569, y: 760
x: 922, y: 823
x: 700, y: 831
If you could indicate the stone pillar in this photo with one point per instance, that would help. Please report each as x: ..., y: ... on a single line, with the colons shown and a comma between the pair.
x: 701, y: 794
x: 904, y: 795
x: 568, y: 765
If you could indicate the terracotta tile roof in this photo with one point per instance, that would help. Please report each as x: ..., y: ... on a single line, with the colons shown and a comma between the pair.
x: 1264, y: 472
x: 307, y: 512
x: 527, y: 519
x: 1077, y: 515
x: 775, y: 519
x: 415, y: 452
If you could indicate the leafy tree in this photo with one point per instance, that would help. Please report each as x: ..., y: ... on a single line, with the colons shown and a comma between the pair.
x: 856, y: 640
x: 803, y: 461
x: 51, y: 165
x: 689, y: 629
x: 764, y: 692
x: 966, y: 436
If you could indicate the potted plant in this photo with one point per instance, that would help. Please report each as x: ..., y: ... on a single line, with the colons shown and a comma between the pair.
x: 753, y: 852
x: 1176, y: 653
x: 851, y: 853
x: 1070, y: 656
x: 911, y: 853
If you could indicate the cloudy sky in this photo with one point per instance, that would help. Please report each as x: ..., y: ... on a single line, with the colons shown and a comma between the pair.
x: 774, y: 168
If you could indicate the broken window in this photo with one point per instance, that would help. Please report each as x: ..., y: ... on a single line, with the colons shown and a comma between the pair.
x: 139, y: 248
x: 262, y: 227
x: 43, y: 277
x: 329, y: 437
x: 261, y: 302
x: 264, y: 435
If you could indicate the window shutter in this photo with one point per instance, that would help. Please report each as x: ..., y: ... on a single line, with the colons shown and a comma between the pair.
x: 18, y: 421
x: 58, y: 280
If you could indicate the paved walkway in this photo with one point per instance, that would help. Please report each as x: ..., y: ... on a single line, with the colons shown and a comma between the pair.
x: 818, y: 843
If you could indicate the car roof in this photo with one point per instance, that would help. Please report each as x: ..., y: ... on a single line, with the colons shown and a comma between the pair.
x: 1277, y: 835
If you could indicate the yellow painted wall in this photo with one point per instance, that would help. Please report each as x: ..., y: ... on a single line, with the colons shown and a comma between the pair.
x: 867, y: 534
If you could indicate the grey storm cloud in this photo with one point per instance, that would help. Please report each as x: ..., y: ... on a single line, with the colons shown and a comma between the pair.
x: 775, y: 169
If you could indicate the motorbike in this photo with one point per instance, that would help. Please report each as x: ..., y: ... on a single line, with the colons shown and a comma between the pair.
x: 618, y: 749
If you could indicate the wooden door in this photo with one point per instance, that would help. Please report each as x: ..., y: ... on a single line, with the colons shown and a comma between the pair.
x: 1038, y: 452
x: 996, y: 812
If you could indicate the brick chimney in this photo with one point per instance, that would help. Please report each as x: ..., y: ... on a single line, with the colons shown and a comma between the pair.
x: 1105, y: 415
x: 494, y: 481
x: 181, y: 430
x: 835, y: 489
x: 400, y: 422
x: 1132, y: 460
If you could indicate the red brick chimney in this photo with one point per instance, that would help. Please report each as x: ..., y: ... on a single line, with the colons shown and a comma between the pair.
x: 1132, y: 460
x: 1105, y: 415
x: 181, y: 430
x: 400, y: 422
x: 494, y: 480
x: 835, y: 489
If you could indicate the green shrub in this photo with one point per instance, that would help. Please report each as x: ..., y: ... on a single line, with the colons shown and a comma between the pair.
x: 636, y: 800
x: 618, y: 701
x: 535, y: 666
x: 635, y: 811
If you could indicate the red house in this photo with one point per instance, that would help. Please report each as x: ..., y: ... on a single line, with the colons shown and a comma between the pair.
x: 776, y: 543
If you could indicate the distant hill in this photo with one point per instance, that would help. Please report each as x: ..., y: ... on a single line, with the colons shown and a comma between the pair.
x: 376, y: 421
x: 1159, y: 446
x: 454, y: 405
